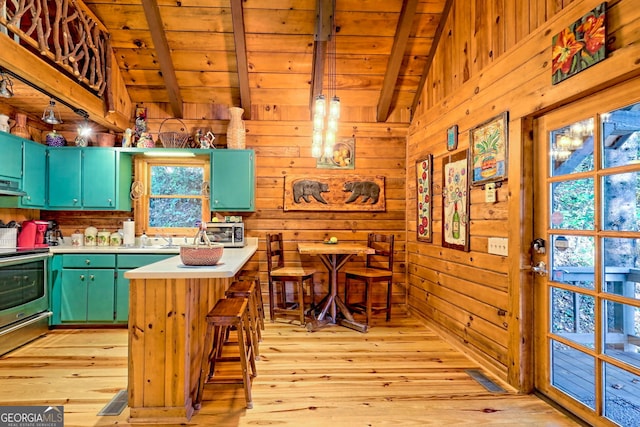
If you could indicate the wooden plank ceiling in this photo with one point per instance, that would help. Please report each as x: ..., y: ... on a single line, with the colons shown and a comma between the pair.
x: 259, y: 53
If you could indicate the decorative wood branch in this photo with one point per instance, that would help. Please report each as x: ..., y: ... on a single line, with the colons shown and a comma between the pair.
x: 66, y: 32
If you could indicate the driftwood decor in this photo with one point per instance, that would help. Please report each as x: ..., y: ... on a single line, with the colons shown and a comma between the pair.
x: 334, y: 193
x: 64, y: 31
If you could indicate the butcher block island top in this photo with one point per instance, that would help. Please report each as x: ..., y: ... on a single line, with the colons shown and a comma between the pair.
x: 168, y: 303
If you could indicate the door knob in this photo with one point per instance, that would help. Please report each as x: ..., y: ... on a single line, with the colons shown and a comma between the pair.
x: 540, y: 269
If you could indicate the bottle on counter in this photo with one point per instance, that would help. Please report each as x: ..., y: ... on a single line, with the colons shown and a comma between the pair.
x: 144, y: 240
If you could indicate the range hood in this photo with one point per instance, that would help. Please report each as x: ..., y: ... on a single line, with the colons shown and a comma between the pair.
x: 10, y: 188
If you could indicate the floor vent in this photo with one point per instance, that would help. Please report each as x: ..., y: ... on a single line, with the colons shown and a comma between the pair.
x: 117, y: 404
x: 484, y: 381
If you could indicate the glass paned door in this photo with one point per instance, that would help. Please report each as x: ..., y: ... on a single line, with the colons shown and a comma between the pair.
x: 587, y: 298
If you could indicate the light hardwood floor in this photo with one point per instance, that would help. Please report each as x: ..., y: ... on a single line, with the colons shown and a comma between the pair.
x: 399, y: 373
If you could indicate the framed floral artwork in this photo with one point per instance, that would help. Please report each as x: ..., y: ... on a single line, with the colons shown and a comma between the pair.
x: 424, y: 169
x: 488, y: 142
x: 455, y: 201
x: 580, y: 45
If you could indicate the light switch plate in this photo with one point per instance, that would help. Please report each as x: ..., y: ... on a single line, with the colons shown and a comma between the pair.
x: 499, y: 246
x: 490, y: 193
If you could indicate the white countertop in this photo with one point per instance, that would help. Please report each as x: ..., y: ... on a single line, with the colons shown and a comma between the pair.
x: 232, y: 261
x: 68, y: 249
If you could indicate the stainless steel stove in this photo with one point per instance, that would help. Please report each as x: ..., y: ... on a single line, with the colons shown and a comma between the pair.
x: 24, y: 299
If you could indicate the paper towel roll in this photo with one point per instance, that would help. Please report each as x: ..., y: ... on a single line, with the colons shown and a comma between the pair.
x: 129, y: 238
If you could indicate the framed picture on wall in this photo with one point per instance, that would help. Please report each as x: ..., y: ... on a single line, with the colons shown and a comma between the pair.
x: 455, y: 201
x: 452, y: 138
x: 424, y: 169
x: 488, y: 142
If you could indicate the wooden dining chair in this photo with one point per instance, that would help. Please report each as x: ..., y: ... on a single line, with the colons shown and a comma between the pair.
x: 284, y: 302
x: 378, y: 270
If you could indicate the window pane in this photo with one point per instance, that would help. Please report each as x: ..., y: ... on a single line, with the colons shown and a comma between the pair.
x: 621, y: 194
x: 621, y: 396
x: 620, y: 134
x: 572, y: 205
x: 572, y: 260
x: 176, y: 180
x: 573, y: 316
x: 622, y: 340
x: 169, y: 212
x: 572, y: 148
x: 622, y: 267
x: 573, y: 372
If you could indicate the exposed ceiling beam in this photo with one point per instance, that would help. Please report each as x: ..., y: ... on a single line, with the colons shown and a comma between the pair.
x: 324, y: 25
x: 434, y: 46
x: 403, y: 31
x: 152, y: 12
x: 237, y: 18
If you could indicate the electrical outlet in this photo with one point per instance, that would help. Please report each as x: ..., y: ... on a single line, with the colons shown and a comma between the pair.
x: 499, y: 246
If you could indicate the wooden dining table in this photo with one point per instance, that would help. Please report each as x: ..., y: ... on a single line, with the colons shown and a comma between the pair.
x: 334, y: 256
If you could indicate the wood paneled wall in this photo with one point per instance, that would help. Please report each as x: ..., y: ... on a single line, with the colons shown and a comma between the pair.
x: 283, y: 147
x: 496, y: 59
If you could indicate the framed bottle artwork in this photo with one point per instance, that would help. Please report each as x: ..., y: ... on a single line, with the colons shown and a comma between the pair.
x: 424, y: 220
x: 455, y: 201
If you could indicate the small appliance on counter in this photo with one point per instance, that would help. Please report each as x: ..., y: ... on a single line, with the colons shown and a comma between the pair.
x: 33, y: 234
x: 230, y: 234
x: 53, y: 235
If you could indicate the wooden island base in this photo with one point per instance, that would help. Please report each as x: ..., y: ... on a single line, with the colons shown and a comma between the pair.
x: 167, y: 325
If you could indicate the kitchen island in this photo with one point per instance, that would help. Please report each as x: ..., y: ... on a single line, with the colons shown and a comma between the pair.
x: 168, y: 303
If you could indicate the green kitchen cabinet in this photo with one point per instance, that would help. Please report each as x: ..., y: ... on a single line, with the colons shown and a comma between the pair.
x: 89, y: 178
x: 83, y: 288
x: 128, y: 262
x: 87, y: 295
x: 89, y: 288
x: 233, y: 180
x: 34, y: 175
x: 11, y: 149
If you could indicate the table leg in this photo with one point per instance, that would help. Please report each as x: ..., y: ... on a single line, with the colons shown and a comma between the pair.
x: 332, y: 303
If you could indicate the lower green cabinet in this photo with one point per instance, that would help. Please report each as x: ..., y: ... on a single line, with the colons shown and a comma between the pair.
x: 87, y: 295
x: 91, y: 288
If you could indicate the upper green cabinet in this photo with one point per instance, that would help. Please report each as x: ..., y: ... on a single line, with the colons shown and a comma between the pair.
x: 233, y: 180
x: 88, y: 178
x: 11, y: 149
x: 34, y: 175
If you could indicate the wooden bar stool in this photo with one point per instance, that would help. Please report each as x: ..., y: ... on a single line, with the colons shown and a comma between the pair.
x: 228, y: 313
x: 279, y: 275
x: 253, y: 275
x: 246, y: 289
x: 377, y: 271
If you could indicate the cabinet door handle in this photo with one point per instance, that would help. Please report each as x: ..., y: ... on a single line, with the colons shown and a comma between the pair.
x: 92, y: 277
x: 87, y: 261
x: 82, y: 277
x: 110, y: 202
x: 75, y: 201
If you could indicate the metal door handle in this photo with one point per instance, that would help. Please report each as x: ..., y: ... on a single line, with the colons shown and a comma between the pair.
x: 540, y: 269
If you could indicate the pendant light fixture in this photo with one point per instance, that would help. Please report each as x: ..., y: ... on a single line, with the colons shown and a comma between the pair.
x: 6, y: 86
x: 51, y: 114
x: 325, y: 117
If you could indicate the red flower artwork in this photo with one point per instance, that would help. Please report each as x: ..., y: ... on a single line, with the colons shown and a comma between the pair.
x: 579, y: 46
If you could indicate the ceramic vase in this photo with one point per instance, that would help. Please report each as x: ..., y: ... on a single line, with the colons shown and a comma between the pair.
x: 20, y: 128
x: 235, y: 130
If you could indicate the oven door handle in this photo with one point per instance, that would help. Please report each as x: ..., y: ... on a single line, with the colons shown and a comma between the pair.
x: 26, y: 322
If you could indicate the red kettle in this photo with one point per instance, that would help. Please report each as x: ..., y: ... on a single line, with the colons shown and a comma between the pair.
x: 32, y: 234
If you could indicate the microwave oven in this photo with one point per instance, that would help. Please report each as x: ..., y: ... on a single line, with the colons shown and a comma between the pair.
x: 230, y: 234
